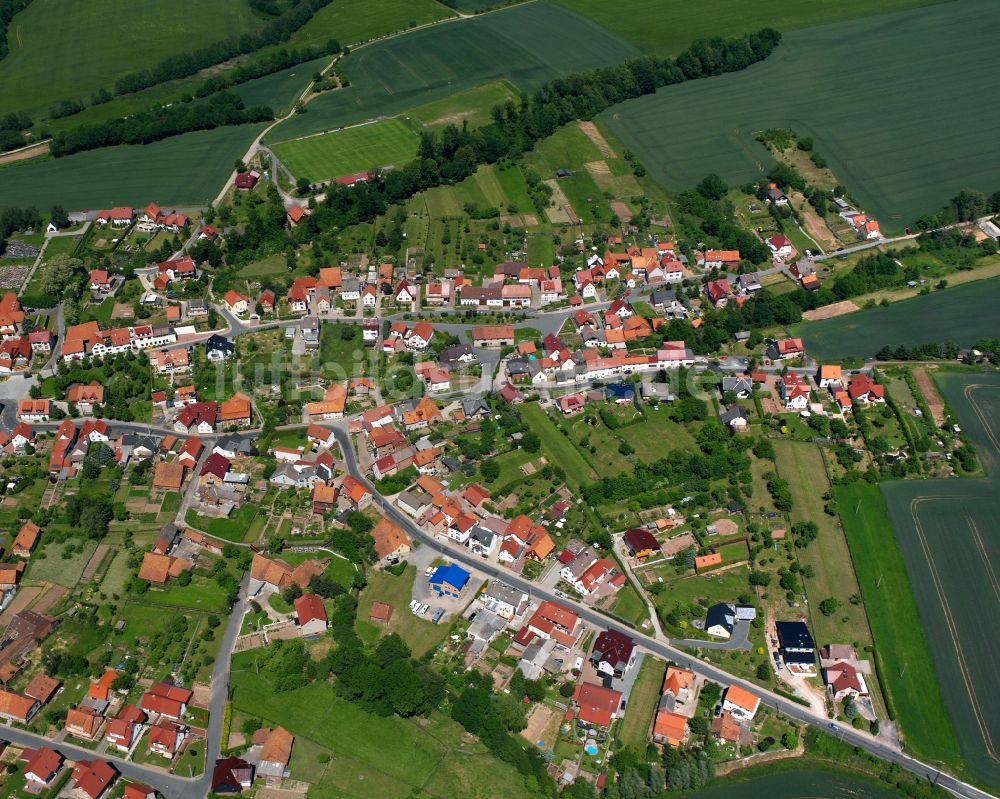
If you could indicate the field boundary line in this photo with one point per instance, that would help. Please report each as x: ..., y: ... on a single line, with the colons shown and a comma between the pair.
x: 952, y: 628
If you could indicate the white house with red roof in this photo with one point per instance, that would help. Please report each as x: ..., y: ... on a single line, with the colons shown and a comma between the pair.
x: 780, y: 246
x: 794, y: 392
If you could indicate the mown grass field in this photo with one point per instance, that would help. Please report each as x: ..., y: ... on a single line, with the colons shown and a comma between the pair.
x: 370, y: 755
x: 184, y: 170
x: 898, y: 161
x: 526, y: 44
x: 64, y: 50
x: 669, y: 26
x: 642, y: 703
x: 801, y: 463
x: 962, y: 314
x: 915, y: 698
x: 556, y: 447
x: 359, y: 149
x: 946, y: 531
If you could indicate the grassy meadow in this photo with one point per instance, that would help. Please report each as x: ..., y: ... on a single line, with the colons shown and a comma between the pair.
x: 357, y: 149
x: 898, y: 161
x: 961, y: 314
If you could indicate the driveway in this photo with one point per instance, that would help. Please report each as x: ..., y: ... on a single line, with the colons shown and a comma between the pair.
x: 738, y: 640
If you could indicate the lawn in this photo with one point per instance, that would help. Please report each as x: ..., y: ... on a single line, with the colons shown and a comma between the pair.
x: 360, y: 149
x: 656, y: 435
x: 389, y: 745
x: 343, y: 358
x: 801, y: 463
x: 420, y: 634
x: 879, y: 143
x: 171, y: 502
x: 629, y: 605
x: 339, y: 569
x: 642, y: 703
x: 962, y: 314
x: 117, y: 576
x: 526, y: 44
x: 186, y: 170
x: 61, y: 50
x: 946, y: 533
x: 385, y: 757
x: 202, y: 593
x: 916, y: 697
x: 668, y: 27
x: 55, y: 568
x: 557, y: 447
x: 235, y: 528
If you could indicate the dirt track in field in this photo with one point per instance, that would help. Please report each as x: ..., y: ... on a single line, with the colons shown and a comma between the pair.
x: 830, y: 311
x: 931, y: 396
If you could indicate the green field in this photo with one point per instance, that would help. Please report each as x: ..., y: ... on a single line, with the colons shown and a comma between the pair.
x: 814, y: 784
x: 947, y: 531
x: 801, y: 463
x: 892, y: 612
x: 962, y: 314
x: 472, y: 105
x: 61, y: 50
x: 642, y: 703
x: 358, y: 149
x: 353, y: 21
x: 898, y: 161
x: 668, y: 26
x: 370, y: 755
x: 526, y: 44
x: 186, y: 170
x: 280, y: 89
x: 556, y: 446
x: 55, y: 568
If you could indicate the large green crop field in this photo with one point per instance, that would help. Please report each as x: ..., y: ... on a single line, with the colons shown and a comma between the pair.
x: 962, y: 314
x: 357, y: 149
x: 65, y: 50
x: 526, y: 44
x: 352, y: 21
x: 861, y: 90
x: 183, y: 171
x: 906, y: 671
x: 948, y: 533
x: 280, y: 89
x: 668, y: 26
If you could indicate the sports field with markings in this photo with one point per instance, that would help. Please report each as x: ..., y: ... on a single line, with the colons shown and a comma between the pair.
x: 948, y: 533
x: 358, y: 149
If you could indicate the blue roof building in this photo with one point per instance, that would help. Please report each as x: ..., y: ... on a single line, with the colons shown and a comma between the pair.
x: 449, y: 580
x: 619, y: 392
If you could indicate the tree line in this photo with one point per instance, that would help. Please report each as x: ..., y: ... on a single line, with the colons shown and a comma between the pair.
x: 269, y: 64
x: 182, y: 65
x: 11, y: 125
x: 221, y: 109
x: 456, y: 153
